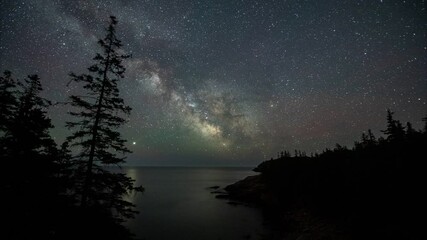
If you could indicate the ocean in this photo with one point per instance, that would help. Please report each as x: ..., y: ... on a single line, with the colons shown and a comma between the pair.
x: 178, y: 204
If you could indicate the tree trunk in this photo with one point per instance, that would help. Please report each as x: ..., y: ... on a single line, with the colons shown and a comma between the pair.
x: 88, y: 179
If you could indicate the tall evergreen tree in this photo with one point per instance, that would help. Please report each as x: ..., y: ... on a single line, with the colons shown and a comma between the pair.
x: 98, y: 115
x: 26, y: 136
x: 28, y: 159
x: 410, y: 131
x: 395, y: 130
x: 8, y: 100
x: 371, y: 137
x: 367, y: 140
x: 26, y: 143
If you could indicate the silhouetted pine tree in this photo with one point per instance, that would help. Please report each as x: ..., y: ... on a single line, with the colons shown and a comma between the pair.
x: 371, y: 137
x: 100, y: 112
x: 395, y: 130
x: 26, y: 143
x: 27, y: 134
x: 8, y: 100
x: 28, y: 159
x: 410, y: 131
x: 367, y: 140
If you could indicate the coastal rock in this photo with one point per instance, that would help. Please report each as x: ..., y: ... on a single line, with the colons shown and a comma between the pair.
x: 222, y: 196
x: 219, y: 192
x: 251, y: 189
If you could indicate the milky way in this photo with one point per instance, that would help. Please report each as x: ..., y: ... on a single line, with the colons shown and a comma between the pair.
x: 232, y: 82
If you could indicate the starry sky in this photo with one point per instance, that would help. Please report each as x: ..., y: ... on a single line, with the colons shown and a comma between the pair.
x: 228, y: 82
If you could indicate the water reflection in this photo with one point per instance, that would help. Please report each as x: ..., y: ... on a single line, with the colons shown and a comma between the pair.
x: 132, y: 173
x: 178, y: 205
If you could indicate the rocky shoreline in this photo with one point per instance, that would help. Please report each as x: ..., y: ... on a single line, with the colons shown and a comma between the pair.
x: 297, y: 223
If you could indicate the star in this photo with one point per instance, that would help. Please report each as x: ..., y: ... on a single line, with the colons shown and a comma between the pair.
x: 204, y: 74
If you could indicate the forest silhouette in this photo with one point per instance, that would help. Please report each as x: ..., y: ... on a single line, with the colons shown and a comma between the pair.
x: 50, y: 192
x: 372, y: 191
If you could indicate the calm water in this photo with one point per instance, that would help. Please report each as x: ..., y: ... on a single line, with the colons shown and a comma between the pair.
x: 178, y: 205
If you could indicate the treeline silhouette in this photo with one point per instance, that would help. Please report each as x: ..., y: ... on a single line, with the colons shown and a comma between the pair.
x: 53, y: 192
x: 372, y: 191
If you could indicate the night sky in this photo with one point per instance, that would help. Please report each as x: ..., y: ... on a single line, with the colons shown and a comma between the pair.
x: 232, y: 82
